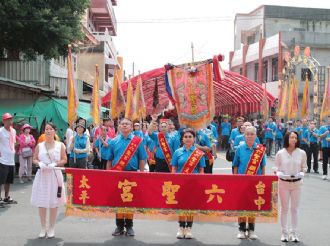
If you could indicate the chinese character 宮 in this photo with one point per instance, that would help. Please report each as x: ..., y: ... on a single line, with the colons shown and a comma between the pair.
x: 215, y: 191
x: 169, y: 191
x: 260, y: 188
x: 126, y: 187
x: 83, y: 183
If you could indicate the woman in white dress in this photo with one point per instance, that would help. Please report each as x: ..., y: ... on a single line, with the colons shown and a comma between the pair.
x: 48, y: 187
x: 290, y: 165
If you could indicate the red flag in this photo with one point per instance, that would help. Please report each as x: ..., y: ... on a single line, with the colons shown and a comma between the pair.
x: 71, y: 91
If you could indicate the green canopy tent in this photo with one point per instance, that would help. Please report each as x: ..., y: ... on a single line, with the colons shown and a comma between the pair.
x: 42, y: 110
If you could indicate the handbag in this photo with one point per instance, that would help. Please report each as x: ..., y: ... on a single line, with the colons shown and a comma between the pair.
x: 27, y: 152
x: 230, y: 154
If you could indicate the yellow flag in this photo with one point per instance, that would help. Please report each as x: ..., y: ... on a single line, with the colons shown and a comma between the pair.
x: 265, y: 105
x: 95, y: 102
x: 283, y: 100
x: 293, y: 99
x: 139, y: 103
x: 325, y: 111
x: 117, y: 98
x: 71, y: 91
x: 129, y: 102
x: 305, y: 100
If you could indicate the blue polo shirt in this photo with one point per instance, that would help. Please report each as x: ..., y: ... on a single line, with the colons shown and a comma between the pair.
x: 242, y: 158
x: 270, y: 130
x: 214, y: 131
x: 279, y: 132
x: 324, y: 142
x: 117, y: 148
x: 241, y: 139
x: 302, y: 134
x: 310, y: 137
x: 181, y: 156
x: 234, y: 133
x: 173, y: 143
x: 104, y: 150
x: 225, y: 128
x: 80, y: 142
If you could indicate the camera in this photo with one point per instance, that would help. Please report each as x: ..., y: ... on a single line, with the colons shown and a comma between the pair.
x: 59, y: 191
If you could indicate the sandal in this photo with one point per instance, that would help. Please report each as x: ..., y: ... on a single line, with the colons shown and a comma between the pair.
x: 9, y: 200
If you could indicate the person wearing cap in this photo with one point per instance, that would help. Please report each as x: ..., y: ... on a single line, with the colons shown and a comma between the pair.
x: 79, y: 147
x: 162, y: 162
x: 26, y: 147
x: 7, y: 157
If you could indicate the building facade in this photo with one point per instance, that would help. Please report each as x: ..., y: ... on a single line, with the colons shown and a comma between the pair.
x: 265, y: 35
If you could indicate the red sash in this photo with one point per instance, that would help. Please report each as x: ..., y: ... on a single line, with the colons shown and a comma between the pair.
x: 128, y: 154
x: 192, y: 161
x: 209, y: 156
x: 151, y: 156
x: 255, y: 160
x: 165, y: 149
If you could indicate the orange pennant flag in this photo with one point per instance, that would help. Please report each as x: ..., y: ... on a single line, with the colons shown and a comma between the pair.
x: 325, y: 111
x: 293, y: 99
x: 139, y: 103
x: 283, y: 100
x: 129, y: 102
x: 117, y: 98
x: 71, y: 91
x: 305, y: 100
x: 95, y: 102
x: 265, y: 105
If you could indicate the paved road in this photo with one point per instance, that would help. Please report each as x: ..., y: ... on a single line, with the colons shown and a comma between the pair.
x: 19, y: 224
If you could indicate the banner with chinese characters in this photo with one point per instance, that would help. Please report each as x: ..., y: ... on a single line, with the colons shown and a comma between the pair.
x: 97, y: 193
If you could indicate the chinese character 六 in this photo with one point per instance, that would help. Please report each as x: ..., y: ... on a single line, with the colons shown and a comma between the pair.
x: 260, y: 188
x: 83, y: 183
x: 259, y: 202
x: 169, y: 191
x: 84, y: 196
x: 213, y: 191
x: 126, y: 187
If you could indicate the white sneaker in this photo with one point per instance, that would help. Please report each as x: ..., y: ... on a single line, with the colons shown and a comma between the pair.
x: 252, y: 235
x: 180, y: 233
x: 187, y: 233
x: 42, y: 233
x: 294, y: 238
x: 21, y: 181
x: 324, y: 177
x: 50, y: 233
x: 241, y: 235
x: 284, y: 238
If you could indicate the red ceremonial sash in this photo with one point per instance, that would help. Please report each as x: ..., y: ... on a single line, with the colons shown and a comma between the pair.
x: 209, y: 156
x: 192, y: 161
x: 255, y: 160
x: 151, y: 156
x: 128, y: 154
x: 165, y: 149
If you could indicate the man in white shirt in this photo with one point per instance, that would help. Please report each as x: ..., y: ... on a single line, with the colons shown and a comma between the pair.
x: 7, y: 156
x: 68, y: 135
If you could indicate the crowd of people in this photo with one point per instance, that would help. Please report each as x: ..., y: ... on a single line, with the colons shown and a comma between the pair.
x: 161, y: 146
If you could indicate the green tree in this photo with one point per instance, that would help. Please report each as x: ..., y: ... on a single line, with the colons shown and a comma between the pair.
x: 40, y: 27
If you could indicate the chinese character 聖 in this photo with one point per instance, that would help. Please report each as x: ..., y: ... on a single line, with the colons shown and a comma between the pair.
x: 169, y: 191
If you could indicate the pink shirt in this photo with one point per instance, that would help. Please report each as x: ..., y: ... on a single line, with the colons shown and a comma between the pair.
x: 23, y: 143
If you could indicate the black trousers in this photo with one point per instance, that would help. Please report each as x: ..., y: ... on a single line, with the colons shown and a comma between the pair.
x: 269, y: 145
x: 208, y: 168
x: 161, y: 166
x: 313, y: 150
x: 325, y: 155
x: 224, y: 142
x: 127, y: 223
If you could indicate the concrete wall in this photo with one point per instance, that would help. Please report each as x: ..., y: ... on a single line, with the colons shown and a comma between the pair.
x: 8, y: 92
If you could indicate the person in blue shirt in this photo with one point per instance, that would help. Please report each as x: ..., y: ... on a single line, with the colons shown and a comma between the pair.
x: 240, y: 164
x: 102, y: 148
x: 204, y: 144
x: 324, y: 134
x: 79, y: 147
x: 235, y: 131
x: 241, y: 138
x: 173, y: 143
x: 303, y: 141
x: 118, y: 146
x: 225, y: 133
x: 311, y: 135
x: 179, y: 159
x: 279, y: 134
x: 270, y: 129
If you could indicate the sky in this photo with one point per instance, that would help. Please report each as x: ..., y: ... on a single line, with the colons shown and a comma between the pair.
x: 151, y: 33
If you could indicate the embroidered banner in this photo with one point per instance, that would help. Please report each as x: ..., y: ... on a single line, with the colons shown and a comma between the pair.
x: 97, y: 193
x: 193, y: 94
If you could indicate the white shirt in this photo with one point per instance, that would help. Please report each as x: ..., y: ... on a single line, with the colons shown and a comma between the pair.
x: 68, y: 136
x: 7, y: 146
x: 291, y: 164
